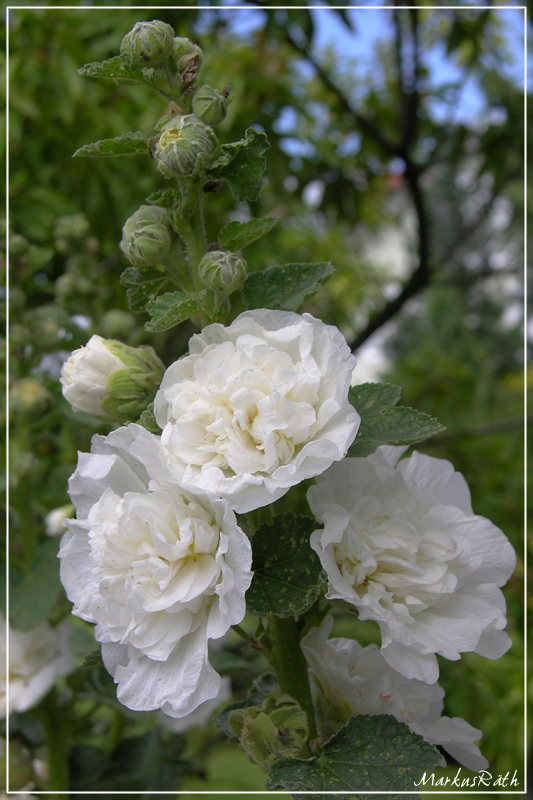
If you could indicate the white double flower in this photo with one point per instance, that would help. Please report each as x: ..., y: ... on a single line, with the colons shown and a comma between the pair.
x: 159, y: 570
x: 258, y: 406
x: 402, y: 544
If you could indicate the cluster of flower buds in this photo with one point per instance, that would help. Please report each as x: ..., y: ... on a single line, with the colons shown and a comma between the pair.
x: 169, y: 62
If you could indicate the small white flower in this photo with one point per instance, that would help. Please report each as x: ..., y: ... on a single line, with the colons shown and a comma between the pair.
x: 258, y: 406
x: 359, y: 679
x: 158, y: 569
x: 53, y: 522
x: 109, y: 379
x: 84, y: 376
x: 201, y: 715
x: 401, y: 542
x: 37, y: 659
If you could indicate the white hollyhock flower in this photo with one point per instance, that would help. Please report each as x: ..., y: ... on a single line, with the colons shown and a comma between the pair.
x: 158, y: 569
x: 357, y: 680
x: 38, y: 657
x: 401, y: 542
x: 258, y: 406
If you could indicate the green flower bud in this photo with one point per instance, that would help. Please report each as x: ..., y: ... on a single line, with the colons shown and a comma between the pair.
x: 188, y: 58
x: 150, y: 41
x: 73, y: 227
x: 147, y: 236
x: 116, y: 323
x: 185, y: 147
x: 209, y: 105
x: 276, y: 728
x: 222, y: 272
x: 109, y: 379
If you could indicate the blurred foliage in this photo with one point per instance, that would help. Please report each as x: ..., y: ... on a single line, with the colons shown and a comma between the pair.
x: 344, y: 194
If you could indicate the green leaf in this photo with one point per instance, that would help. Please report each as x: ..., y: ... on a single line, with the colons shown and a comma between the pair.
x: 285, y: 287
x: 127, y: 144
x: 142, y: 284
x: 236, y: 235
x: 242, y: 164
x: 262, y: 687
x: 370, y: 753
x: 172, y: 308
x: 31, y: 599
x: 147, y: 420
x: 117, y: 69
x: 382, y: 422
x: 288, y: 575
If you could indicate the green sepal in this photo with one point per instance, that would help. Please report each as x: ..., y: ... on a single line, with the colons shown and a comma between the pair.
x: 288, y: 576
x: 383, y: 422
x: 236, y: 235
x: 148, y: 421
x: 172, y: 308
x: 93, y: 659
x: 370, y: 753
x: 286, y: 287
x: 127, y: 144
x: 262, y: 687
x: 242, y: 164
x: 142, y: 284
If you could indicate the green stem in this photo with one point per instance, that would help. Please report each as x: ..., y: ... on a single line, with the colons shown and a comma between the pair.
x: 56, y: 738
x: 290, y: 666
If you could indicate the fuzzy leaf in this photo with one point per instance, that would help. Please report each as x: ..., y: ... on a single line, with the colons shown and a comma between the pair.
x: 288, y: 575
x: 383, y: 422
x: 172, y: 308
x: 236, y: 235
x: 167, y: 198
x: 128, y: 144
x: 117, y: 69
x: 370, y: 753
x: 242, y: 164
x: 285, y: 287
x: 142, y: 285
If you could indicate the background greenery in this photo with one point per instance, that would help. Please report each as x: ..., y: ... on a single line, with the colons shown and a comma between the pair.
x: 364, y: 165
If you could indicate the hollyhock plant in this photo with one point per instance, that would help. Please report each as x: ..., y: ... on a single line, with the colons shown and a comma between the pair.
x: 258, y: 406
x: 402, y: 544
x: 38, y: 657
x: 159, y: 570
x: 351, y: 679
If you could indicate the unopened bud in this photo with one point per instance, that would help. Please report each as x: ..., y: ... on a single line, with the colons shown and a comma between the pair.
x: 28, y: 397
x: 150, y: 41
x: 53, y: 522
x: 109, y: 379
x: 188, y: 58
x: 276, y: 728
x: 185, y: 146
x: 147, y: 236
x: 209, y: 105
x: 222, y: 272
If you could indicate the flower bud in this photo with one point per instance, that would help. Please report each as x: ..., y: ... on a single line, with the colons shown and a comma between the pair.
x: 53, y: 522
x: 276, y: 728
x: 222, y: 272
x: 147, y: 236
x: 109, y: 379
x: 188, y: 58
x: 185, y: 146
x: 150, y: 41
x: 209, y: 105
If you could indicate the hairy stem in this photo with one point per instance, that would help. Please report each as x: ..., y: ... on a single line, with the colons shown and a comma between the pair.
x: 290, y: 666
